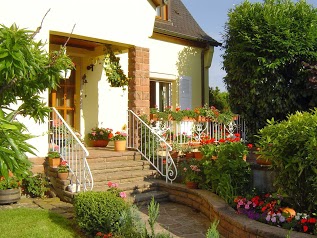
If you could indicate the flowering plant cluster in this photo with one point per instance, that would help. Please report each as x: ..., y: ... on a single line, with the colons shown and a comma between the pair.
x: 210, y: 113
x: 267, y: 208
x: 230, y: 147
x: 113, y: 188
x: 103, y: 235
x: 119, y: 135
x: 63, y: 167
x: 191, y: 171
x: 99, y: 133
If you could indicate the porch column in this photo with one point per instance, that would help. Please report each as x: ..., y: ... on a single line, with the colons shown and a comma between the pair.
x: 139, y: 83
x: 139, y: 89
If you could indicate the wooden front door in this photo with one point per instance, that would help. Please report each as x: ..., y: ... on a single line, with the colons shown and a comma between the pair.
x: 64, y: 99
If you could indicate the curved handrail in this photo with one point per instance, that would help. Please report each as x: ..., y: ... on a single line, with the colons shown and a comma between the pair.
x: 63, y: 138
x: 151, y: 146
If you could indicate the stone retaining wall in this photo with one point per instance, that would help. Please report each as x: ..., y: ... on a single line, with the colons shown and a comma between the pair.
x: 231, y: 224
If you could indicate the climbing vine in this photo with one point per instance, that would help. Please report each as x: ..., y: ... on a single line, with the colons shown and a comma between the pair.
x: 112, y: 67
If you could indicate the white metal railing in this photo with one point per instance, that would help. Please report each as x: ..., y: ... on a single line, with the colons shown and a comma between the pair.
x: 63, y: 139
x: 151, y: 145
x: 184, y: 132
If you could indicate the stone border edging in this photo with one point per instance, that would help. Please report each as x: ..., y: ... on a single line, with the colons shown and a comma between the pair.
x: 231, y: 225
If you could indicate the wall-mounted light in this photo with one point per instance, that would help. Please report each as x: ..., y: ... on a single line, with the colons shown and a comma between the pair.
x: 84, y: 78
x: 90, y: 67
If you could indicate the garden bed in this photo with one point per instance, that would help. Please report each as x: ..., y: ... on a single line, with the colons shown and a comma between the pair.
x: 231, y: 224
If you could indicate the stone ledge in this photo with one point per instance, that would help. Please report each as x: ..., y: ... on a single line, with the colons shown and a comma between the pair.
x: 231, y: 225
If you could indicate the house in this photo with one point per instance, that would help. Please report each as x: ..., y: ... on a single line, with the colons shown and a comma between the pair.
x: 161, y: 47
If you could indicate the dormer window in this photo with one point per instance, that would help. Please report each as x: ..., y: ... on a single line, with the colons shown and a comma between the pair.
x: 162, y: 10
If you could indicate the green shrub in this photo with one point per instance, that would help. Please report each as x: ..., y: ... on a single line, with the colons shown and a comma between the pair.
x: 35, y: 186
x: 291, y: 146
x: 99, y: 211
x: 229, y: 175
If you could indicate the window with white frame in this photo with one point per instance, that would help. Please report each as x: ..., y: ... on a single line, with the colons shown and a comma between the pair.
x: 160, y: 94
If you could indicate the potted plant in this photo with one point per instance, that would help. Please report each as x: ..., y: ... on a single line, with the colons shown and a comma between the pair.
x: 63, y: 170
x: 9, y: 190
x: 188, y: 151
x: 119, y: 140
x: 191, y: 173
x: 54, y: 158
x: 99, y: 136
x: 176, y: 148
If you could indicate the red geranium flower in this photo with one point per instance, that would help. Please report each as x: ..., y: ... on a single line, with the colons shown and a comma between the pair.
x: 305, y: 228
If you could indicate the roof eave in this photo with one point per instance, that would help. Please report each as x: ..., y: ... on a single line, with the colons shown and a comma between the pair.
x: 187, y: 37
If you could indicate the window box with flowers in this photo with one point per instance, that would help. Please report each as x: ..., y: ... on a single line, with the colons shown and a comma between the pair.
x: 119, y: 139
x: 99, y: 137
x: 63, y: 170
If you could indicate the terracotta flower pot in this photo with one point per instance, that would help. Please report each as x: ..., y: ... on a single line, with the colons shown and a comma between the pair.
x: 198, y: 155
x: 120, y: 145
x: 54, y: 162
x: 62, y: 176
x: 192, y: 185
x: 99, y: 143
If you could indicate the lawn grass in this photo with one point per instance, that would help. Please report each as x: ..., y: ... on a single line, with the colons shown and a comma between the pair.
x: 35, y: 223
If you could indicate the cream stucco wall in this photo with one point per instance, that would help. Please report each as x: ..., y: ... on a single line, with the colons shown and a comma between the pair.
x: 119, y: 21
x: 122, y: 21
x: 169, y: 61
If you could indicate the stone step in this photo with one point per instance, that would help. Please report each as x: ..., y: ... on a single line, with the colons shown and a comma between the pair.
x: 118, y: 166
x: 123, y: 176
x: 142, y: 199
x: 131, y: 187
x: 105, y: 154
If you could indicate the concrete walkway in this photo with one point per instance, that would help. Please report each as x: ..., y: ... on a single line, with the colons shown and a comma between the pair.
x: 178, y: 220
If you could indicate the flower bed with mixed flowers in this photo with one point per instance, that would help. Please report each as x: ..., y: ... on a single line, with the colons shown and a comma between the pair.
x: 270, y: 209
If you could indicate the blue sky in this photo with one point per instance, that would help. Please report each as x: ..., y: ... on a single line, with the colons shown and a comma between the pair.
x: 211, y: 15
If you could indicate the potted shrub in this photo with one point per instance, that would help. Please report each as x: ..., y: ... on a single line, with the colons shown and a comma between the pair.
x: 63, y: 170
x: 54, y: 158
x: 99, y: 136
x: 9, y: 190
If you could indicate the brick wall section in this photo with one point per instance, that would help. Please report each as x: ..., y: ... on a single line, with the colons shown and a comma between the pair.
x: 139, y: 84
x: 231, y: 225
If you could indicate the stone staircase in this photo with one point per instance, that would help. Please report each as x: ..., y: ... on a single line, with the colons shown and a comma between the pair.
x: 133, y: 175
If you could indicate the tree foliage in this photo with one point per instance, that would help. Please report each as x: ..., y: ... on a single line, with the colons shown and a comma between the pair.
x: 264, y: 47
x: 26, y: 70
x: 218, y: 99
